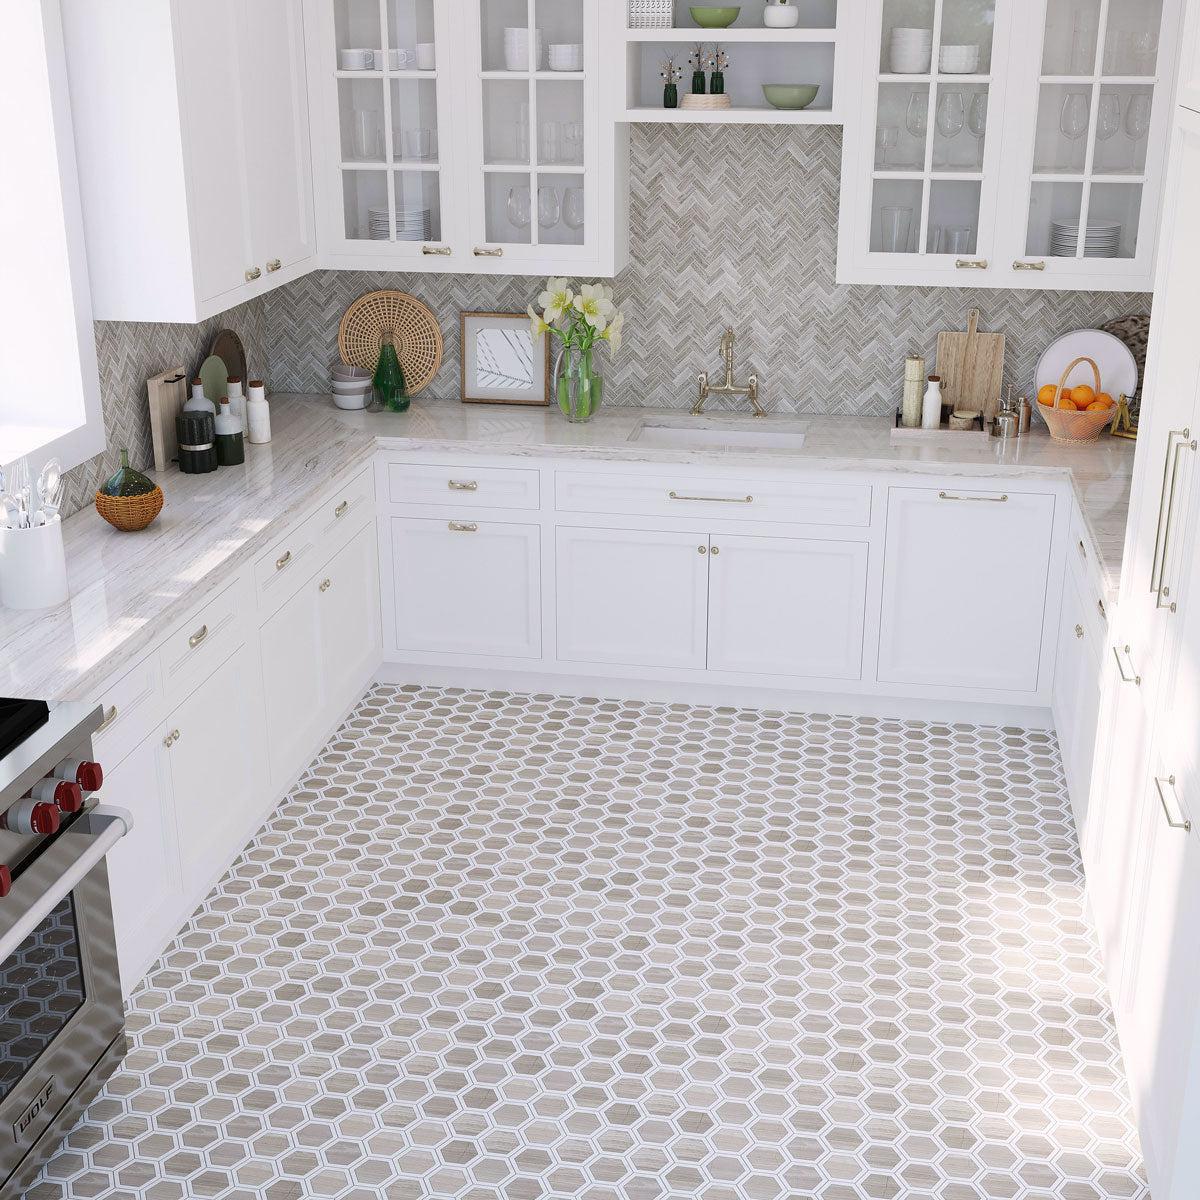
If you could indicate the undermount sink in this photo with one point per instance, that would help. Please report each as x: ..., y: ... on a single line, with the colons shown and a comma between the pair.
x: 714, y: 434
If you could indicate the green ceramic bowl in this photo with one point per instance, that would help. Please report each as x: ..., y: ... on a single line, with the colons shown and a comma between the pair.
x: 714, y: 18
x: 790, y: 95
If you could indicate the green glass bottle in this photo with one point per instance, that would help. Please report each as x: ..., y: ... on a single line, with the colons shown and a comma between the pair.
x: 127, y: 481
x: 389, y: 383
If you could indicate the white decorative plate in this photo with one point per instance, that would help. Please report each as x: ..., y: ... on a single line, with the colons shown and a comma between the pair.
x: 1118, y: 370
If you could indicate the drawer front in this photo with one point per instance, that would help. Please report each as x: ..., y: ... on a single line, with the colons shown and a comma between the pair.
x: 473, y: 487
x: 796, y: 502
x: 282, y: 570
x: 1085, y: 565
x: 133, y: 709
x: 199, y: 644
x: 343, y: 511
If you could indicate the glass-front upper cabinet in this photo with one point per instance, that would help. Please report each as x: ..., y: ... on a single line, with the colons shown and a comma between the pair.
x: 531, y: 149
x: 1095, y: 138
x: 935, y: 125
x: 382, y: 63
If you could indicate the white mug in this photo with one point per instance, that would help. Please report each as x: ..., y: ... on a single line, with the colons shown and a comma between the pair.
x: 356, y: 60
x: 397, y: 60
x: 426, y: 56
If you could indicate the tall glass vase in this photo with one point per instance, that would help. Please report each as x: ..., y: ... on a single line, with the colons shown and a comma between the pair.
x: 577, y: 384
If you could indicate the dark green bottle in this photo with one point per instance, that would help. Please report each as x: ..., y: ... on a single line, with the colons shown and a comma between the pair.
x: 127, y: 481
x: 390, y: 387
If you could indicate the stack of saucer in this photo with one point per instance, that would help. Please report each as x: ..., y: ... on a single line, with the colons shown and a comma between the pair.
x: 959, y: 60
x: 910, y: 50
x: 412, y: 224
x: 1103, y: 239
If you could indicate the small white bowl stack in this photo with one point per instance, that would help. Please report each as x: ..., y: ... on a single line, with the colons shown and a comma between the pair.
x: 566, y: 56
x: 351, y: 386
x: 516, y: 49
x: 910, y: 50
x: 959, y: 60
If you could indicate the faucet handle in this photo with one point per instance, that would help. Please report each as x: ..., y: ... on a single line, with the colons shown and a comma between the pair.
x: 727, y: 339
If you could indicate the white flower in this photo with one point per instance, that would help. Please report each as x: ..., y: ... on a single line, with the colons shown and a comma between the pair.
x: 593, y: 305
x: 612, y: 335
x: 556, y: 299
x: 537, y: 325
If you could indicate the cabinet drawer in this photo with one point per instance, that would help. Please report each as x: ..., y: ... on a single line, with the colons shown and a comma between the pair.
x: 797, y: 502
x: 1084, y: 568
x: 342, y: 511
x: 282, y: 570
x: 200, y: 643
x: 476, y: 487
x: 132, y: 710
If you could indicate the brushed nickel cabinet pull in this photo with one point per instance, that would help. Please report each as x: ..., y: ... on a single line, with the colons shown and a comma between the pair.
x: 326, y: 584
x: 109, y: 718
x: 340, y: 511
x: 1082, y: 550
x: 1135, y: 679
x: 253, y: 273
x: 441, y: 251
x: 463, y: 527
x: 489, y: 251
x: 1165, y: 501
x: 713, y: 499
x: 1101, y: 609
x: 283, y: 560
x: 1079, y: 631
x: 198, y: 637
x: 1184, y: 822
x: 1028, y: 266
x: 1164, y: 542
x: 1001, y: 499
x: 971, y: 264
x: 462, y: 485
x: 171, y: 738
x: 274, y: 264
x: 701, y: 549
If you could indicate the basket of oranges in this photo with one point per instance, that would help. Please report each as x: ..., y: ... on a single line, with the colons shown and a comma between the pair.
x: 1075, y: 415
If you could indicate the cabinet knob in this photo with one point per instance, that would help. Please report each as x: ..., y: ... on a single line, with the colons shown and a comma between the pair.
x: 273, y: 265
x: 489, y: 251
x: 1020, y: 265
x: 171, y: 738
x: 441, y: 251
x: 701, y: 549
x: 326, y: 584
x: 253, y: 273
x: 971, y: 264
x: 716, y: 550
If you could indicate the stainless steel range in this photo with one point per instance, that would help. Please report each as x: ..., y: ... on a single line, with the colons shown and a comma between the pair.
x: 62, y: 1020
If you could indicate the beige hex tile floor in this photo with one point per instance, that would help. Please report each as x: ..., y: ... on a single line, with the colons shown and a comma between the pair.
x: 523, y: 946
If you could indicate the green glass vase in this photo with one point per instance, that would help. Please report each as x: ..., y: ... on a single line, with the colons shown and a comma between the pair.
x: 698, y: 83
x: 388, y: 380
x: 716, y: 85
x: 578, y: 386
x: 126, y: 481
x: 670, y: 96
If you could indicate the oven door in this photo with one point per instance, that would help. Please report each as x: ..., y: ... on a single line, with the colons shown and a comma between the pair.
x: 61, y: 1015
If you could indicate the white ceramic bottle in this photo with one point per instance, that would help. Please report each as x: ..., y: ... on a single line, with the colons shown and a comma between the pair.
x: 258, y: 413
x: 931, y: 406
x: 237, y: 399
x: 198, y: 401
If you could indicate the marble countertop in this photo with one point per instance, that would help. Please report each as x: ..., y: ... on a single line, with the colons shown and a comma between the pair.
x: 127, y: 589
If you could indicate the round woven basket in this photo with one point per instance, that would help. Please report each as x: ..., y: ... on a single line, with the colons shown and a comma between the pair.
x: 418, y: 338
x: 1074, y: 428
x: 130, y: 513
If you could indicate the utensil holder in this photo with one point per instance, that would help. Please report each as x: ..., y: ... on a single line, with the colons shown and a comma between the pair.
x: 33, y: 566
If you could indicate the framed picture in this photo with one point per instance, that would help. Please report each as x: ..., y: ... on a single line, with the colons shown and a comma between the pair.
x: 501, y: 362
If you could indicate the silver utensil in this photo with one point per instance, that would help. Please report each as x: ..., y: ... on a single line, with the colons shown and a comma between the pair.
x: 49, y: 484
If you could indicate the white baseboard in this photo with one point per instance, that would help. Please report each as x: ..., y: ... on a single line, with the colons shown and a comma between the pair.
x: 842, y: 704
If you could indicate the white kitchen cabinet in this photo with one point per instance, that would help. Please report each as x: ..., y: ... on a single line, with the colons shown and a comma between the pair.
x: 635, y: 597
x: 1076, y: 698
x: 984, y: 178
x: 964, y: 589
x: 194, y: 165
x: 786, y: 606
x: 464, y: 586
x: 347, y: 601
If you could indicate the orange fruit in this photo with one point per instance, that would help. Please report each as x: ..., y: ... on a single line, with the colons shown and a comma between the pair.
x: 1105, y: 399
x: 1083, y: 395
x: 1046, y: 393
x: 1068, y: 405
x: 1098, y: 406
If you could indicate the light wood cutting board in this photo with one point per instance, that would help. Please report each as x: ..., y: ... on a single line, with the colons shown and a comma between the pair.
x: 971, y: 365
x: 166, y: 394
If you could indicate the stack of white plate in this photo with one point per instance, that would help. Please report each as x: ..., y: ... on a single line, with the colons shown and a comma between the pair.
x: 351, y: 385
x: 516, y: 49
x: 910, y: 50
x: 566, y: 56
x: 412, y: 224
x: 959, y: 60
x: 1102, y: 240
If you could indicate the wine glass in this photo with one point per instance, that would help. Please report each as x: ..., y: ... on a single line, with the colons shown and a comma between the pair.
x: 1108, y: 116
x: 1137, y: 117
x: 549, y: 207
x: 573, y: 207
x: 573, y: 140
x: 518, y: 207
x: 887, y: 138
x: 1073, y: 120
x: 951, y: 114
x: 916, y: 118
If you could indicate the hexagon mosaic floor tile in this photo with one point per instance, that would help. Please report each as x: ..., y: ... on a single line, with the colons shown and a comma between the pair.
x: 524, y: 946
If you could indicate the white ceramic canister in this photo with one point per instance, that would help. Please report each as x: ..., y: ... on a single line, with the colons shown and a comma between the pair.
x: 258, y: 414
x: 33, y: 566
x: 781, y: 16
x: 931, y: 407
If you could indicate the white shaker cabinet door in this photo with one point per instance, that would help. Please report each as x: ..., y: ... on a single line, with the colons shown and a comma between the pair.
x: 466, y: 586
x: 964, y: 589
x: 783, y: 606
x: 290, y: 645
x: 144, y: 877
x: 1076, y: 701
x: 348, y: 614
x: 635, y: 597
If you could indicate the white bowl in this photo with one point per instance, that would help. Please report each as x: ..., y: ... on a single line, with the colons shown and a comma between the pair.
x: 348, y: 372
x: 361, y: 400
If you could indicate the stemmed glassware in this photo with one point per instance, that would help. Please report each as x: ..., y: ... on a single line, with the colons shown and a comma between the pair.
x: 518, y: 207
x: 1108, y: 116
x: 951, y: 114
x: 573, y: 207
x: 887, y: 138
x: 916, y: 117
x: 1073, y: 120
x: 549, y: 207
x: 977, y: 116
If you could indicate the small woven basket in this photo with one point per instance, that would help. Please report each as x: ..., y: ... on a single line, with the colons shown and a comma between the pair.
x: 650, y: 14
x: 1074, y: 428
x: 130, y: 513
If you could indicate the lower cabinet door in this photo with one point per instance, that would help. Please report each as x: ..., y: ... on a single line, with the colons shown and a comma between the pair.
x: 786, y: 606
x: 466, y: 586
x: 964, y: 588
x: 214, y: 747
x: 144, y: 876
x: 1076, y: 702
x: 348, y: 620
x: 633, y: 597
x: 290, y: 645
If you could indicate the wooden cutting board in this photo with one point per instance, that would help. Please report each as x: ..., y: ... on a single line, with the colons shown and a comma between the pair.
x: 166, y: 394
x: 971, y: 366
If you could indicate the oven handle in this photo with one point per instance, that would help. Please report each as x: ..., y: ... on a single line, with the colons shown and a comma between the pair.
x: 109, y: 825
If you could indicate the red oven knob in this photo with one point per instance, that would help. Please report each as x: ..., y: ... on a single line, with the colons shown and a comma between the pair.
x: 62, y: 792
x: 88, y: 775
x: 5, y: 881
x: 31, y: 816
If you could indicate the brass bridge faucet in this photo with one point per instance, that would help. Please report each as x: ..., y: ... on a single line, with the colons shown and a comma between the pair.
x: 728, y: 388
